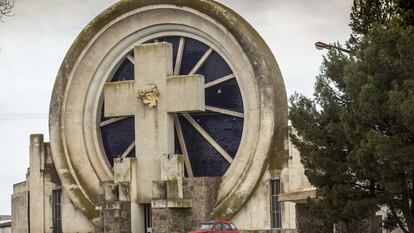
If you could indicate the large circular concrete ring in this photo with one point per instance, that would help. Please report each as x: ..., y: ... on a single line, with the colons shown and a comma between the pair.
x: 73, y: 121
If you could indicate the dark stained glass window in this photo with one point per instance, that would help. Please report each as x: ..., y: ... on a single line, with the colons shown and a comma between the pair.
x: 211, y: 138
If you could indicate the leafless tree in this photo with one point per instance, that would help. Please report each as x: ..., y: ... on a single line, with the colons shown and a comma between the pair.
x: 6, y: 7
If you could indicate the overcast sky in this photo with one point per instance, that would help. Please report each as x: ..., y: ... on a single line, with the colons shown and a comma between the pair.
x: 34, y: 42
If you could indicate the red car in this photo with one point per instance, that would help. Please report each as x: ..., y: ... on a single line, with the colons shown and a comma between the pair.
x: 217, y: 226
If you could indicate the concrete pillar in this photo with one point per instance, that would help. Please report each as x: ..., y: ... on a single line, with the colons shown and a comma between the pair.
x: 115, y: 213
x: 20, y: 209
x: 168, y: 192
x: 32, y: 200
x: 170, y: 211
x: 125, y: 172
x: 36, y: 184
x: 172, y: 171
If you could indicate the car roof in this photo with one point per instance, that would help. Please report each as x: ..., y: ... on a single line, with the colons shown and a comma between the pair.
x: 218, y: 221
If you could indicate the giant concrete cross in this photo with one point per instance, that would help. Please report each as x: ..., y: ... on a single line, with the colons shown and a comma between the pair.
x: 151, y: 98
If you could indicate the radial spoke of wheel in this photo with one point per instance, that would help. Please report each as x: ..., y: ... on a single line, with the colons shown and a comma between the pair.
x: 128, y: 150
x: 111, y: 121
x: 225, y: 111
x: 183, y: 146
x: 208, y: 137
x: 201, y: 61
x: 220, y: 80
x: 130, y: 58
x: 179, y: 59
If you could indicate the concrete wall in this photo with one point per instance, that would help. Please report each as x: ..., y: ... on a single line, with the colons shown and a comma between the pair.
x: 171, y: 220
x: 71, y: 215
x: 36, y: 193
x: 296, y: 187
x: 256, y: 213
x: 32, y: 199
x: 5, y: 224
x: 42, y: 179
x: 201, y: 192
x: 20, y: 208
x: 35, y: 182
x: 297, y: 180
x: 5, y: 229
x: 115, y: 208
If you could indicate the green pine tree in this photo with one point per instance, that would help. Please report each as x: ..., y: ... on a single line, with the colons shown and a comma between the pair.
x: 356, y: 136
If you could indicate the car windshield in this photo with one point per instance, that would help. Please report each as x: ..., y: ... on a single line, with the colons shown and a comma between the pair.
x: 233, y: 226
x: 206, y: 226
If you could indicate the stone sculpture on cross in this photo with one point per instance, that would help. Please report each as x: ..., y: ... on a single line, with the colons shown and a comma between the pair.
x: 153, y: 97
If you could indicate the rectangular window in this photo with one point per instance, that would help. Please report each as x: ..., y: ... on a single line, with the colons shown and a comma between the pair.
x: 275, y: 207
x: 57, y: 210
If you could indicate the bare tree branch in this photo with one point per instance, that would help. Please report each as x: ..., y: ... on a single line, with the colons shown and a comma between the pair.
x: 6, y: 7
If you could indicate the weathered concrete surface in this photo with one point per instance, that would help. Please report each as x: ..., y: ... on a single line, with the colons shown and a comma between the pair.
x: 201, y: 192
x: 298, y: 197
x: 77, y: 88
x: 125, y: 174
x: 120, y: 99
x: 5, y: 226
x: 36, y: 184
x: 298, y: 187
x: 255, y: 215
x: 5, y: 217
x: 154, y: 128
x: 168, y: 192
x: 20, y: 208
x: 32, y: 200
x: 115, y: 208
x: 170, y: 220
x: 185, y: 93
x: 71, y: 214
x: 172, y: 172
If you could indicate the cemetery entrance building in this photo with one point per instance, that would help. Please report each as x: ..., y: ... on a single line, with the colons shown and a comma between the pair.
x: 165, y: 114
